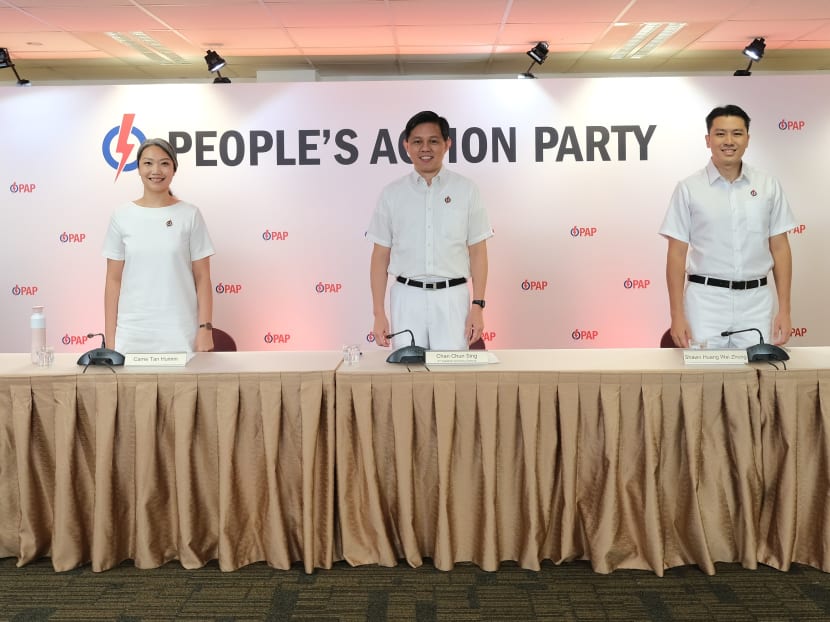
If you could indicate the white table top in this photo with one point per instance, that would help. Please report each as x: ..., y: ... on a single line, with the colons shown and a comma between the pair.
x: 201, y: 363
x: 373, y: 361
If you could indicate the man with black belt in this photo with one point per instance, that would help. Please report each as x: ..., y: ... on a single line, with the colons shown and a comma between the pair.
x: 429, y: 231
x: 727, y: 228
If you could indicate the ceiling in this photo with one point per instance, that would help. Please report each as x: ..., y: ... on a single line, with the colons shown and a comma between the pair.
x: 127, y: 41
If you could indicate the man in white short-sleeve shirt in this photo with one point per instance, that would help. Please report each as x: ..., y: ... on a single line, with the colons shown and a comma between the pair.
x: 430, y: 233
x: 726, y: 227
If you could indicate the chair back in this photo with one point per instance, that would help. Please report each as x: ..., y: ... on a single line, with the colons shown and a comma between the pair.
x: 222, y: 341
x: 666, y: 341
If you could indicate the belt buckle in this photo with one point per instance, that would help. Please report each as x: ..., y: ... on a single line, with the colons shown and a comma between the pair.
x: 740, y: 284
x: 429, y: 285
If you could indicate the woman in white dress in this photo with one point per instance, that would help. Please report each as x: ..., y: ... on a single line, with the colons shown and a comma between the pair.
x: 158, y: 295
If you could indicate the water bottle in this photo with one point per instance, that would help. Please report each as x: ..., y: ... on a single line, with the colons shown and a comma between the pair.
x: 38, y: 323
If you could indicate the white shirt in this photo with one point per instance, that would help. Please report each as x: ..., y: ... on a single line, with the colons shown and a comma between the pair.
x: 429, y: 227
x: 157, y: 307
x: 728, y: 225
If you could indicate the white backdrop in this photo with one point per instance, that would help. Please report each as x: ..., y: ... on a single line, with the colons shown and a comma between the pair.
x: 576, y: 175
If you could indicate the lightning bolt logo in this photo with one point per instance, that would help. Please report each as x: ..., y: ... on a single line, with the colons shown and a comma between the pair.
x: 123, y: 146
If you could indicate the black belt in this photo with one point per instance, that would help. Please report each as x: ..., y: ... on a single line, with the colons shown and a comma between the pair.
x: 708, y: 280
x: 436, y: 285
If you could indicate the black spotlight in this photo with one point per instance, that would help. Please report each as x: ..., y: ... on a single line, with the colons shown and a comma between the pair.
x: 214, y: 61
x: 6, y: 62
x: 755, y: 50
x: 539, y: 52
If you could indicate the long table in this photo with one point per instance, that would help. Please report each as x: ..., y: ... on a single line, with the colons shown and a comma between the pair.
x: 626, y: 458
x: 229, y: 458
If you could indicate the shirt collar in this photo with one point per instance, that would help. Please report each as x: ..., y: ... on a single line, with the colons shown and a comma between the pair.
x: 713, y: 174
x: 420, y: 181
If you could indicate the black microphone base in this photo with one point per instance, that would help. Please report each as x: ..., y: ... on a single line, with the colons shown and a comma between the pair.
x: 407, y: 354
x: 766, y: 352
x: 101, y: 356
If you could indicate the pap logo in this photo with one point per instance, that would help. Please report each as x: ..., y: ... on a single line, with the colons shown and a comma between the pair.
x: 121, y: 134
x: 274, y: 235
x: 328, y: 288
x: 25, y: 188
x: 798, y: 230
x: 228, y: 288
x: 583, y: 232
x: 72, y: 238
x: 370, y: 338
x: 24, y: 290
x: 798, y: 332
x: 74, y: 340
x: 790, y: 126
x: 276, y: 338
x: 584, y: 335
x: 488, y: 336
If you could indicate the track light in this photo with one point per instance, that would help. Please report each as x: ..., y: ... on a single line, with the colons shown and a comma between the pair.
x: 538, y: 53
x: 755, y: 52
x: 6, y: 62
x: 214, y: 61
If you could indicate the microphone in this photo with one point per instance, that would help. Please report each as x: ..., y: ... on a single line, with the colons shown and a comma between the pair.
x: 102, y: 355
x: 761, y: 351
x: 407, y: 354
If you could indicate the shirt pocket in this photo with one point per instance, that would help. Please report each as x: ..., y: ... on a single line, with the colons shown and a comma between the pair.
x: 454, y: 223
x: 757, y: 217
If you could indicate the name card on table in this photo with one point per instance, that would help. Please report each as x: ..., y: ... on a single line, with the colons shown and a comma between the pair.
x: 459, y: 357
x: 715, y: 357
x: 157, y: 359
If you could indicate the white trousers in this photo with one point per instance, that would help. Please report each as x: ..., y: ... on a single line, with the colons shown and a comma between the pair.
x: 436, y: 317
x: 712, y: 310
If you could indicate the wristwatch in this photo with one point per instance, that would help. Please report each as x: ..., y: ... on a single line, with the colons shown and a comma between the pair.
x: 207, y: 325
x: 480, y: 303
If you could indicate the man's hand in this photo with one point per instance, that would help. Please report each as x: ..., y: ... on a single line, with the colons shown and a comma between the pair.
x: 380, y: 330
x: 475, y: 324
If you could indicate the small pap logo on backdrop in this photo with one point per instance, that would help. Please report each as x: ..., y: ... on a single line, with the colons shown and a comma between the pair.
x: 123, y: 147
x: 274, y: 235
x: 276, y: 338
x: 74, y: 340
x: 630, y: 283
x: 228, y: 288
x: 24, y: 290
x: 798, y: 230
x: 798, y: 332
x: 788, y: 126
x: 16, y: 188
x: 370, y: 337
x: 72, y: 238
x: 583, y: 232
x: 488, y: 336
x: 579, y: 335
x: 328, y: 288
x: 534, y: 286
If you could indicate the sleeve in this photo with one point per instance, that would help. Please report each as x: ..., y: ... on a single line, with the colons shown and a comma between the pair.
x: 478, y: 228
x: 201, y: 245
x: 781, y: 217
x: 380, y: 226
x: 114, y: 241
x: 678, y: 220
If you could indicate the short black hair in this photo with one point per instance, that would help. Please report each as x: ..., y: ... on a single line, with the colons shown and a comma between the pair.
x: 427, y: 116
x: 730, y: 110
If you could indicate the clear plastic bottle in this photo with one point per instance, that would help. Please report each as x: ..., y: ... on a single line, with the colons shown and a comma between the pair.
x: 38, y: 323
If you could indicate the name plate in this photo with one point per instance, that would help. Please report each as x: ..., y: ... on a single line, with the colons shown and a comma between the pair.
x: 157, y: 359
x: 715, y: 357
x: 457, y: 357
